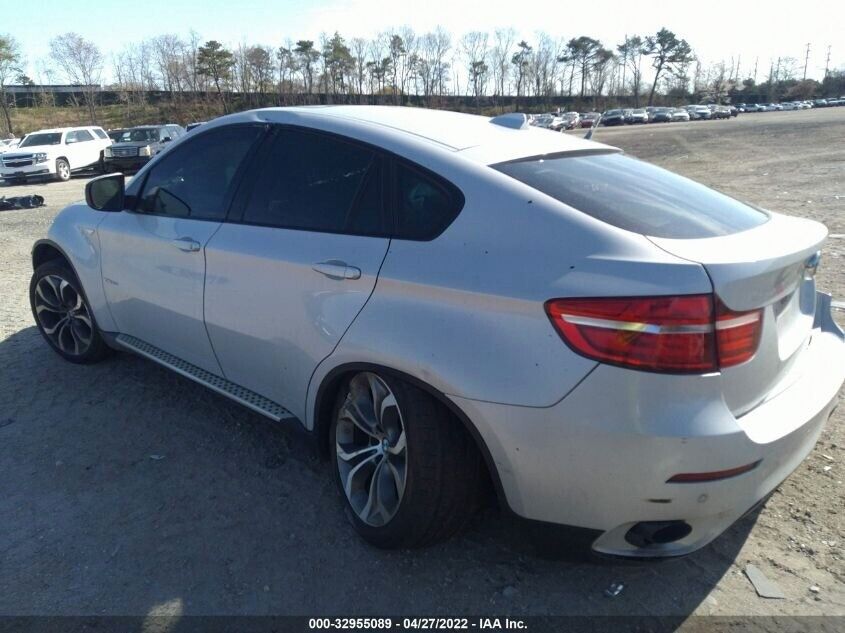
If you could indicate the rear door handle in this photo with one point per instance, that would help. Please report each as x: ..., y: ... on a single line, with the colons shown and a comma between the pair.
x: 187, y: 244
x: 337, y: 270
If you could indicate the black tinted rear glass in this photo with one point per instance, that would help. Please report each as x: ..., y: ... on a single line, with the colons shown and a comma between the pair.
x: 636, y: 196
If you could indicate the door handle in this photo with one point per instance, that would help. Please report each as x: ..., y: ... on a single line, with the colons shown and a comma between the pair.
x: 337, y: 270
x: 187, y: 244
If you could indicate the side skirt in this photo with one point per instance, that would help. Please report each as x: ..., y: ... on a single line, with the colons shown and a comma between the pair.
x: 241, y: 395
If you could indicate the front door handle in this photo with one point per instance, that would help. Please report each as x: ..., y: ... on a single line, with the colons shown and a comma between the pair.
x: 187, y: 244
x: 337, y: 270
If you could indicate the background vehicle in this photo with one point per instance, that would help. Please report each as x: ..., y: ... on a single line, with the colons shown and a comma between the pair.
x: 55, y: 153
x: 588, y: 119
x: 115, y: 134
x: 192, y: 126
x: 638, y: 115
x: 136, y: 146
x: 679, y: 114
x: 693, y: 354
x: 661, y: 115
x: 701, y: 112
x: 571, y: 120
x: 8, y: 144
x: 613, y: 117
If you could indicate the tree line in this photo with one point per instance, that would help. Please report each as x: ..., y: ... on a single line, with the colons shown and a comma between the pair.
x: 394, y: 65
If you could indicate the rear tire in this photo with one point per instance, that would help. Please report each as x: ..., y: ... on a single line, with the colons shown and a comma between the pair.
x: 409, y: 473
x: 62, y: 170
x: 63, y: 316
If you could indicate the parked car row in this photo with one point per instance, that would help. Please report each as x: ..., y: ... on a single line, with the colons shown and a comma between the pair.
x: 58, y: 153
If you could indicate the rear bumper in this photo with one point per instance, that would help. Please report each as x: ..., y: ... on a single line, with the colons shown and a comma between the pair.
x: 601, y: 457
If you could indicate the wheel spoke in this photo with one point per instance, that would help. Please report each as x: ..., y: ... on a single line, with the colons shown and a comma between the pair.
x: 350, y: 455
x: 398, y: 478
x: 51, y: 329
x: 398, y: 447
x: 68, y: 295
x: 353, y: 412
x: 375, y: 508
x: 378, y: 393
x: 355, y: 472
x: 51, y: 298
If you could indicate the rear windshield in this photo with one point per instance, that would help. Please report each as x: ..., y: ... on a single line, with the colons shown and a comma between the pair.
x: 635, y: 196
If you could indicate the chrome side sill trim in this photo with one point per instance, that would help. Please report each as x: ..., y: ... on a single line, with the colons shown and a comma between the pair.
x: 239, y: 394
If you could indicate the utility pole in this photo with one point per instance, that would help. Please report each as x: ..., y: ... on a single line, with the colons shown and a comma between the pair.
x: 806, y: 59
x: 827, y: 62
x: 738, y: 76
x: 756, y: 59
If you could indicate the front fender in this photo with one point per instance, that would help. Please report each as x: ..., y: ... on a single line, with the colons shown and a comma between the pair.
x: 74, y: 234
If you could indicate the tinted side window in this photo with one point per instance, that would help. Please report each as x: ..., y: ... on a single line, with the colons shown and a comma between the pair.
x: 636, y: 196
x: 84, y: 135
x: 99, y: 132
x: 194, y: 180
x: 315, y: 182
x: 425, y: 206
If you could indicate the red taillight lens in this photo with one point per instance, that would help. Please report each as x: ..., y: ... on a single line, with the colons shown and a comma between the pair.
x: 668, y: 334
x: 737, y: 335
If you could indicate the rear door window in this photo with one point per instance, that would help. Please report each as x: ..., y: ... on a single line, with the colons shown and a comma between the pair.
x: 316, y: 182
x: 635, y: 195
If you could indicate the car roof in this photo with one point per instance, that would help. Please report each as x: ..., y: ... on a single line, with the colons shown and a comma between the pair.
x: 419, y: 129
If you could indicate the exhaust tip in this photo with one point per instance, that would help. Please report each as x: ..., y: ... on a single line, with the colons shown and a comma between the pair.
x: 648, y: 533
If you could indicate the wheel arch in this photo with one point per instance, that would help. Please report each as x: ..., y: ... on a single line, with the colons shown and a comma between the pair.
x: 46, y: 250
x: 327, y: 393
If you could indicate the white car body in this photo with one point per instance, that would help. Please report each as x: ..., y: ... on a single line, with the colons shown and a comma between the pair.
x: 40, y: 160
x: 282, y: 313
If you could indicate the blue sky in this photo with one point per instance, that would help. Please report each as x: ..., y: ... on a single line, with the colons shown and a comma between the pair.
x: 725, y: 28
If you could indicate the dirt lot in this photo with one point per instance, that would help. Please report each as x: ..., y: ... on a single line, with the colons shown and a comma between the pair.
x: 125, y: 489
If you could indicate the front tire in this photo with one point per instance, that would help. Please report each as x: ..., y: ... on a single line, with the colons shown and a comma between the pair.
x: 62, y: 170
x: 409, y: 473
x: 63, y: 316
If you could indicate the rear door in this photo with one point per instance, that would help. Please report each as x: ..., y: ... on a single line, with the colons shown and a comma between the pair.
x: 297, y: 261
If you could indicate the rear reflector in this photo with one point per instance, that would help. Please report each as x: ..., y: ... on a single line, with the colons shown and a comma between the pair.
x: 683, y: 334
x: 694, y: 478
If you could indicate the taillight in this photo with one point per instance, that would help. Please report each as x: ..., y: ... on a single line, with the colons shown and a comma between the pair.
x: 737, y: 334
x: 684, y: 334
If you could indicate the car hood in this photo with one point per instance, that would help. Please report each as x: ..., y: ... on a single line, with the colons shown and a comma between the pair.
x: 32, y: 149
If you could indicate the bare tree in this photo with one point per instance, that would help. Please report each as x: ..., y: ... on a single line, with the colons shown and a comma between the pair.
x: 500, y: 55
x: 667, y: 52
x: 11, y: 62
x: 474, y: 48
x: 82, y: 63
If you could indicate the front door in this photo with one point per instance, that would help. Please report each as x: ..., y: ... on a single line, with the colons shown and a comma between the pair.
x: 153, y: 257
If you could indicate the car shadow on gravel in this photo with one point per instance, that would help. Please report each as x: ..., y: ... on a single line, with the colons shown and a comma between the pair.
x: 131, y: 490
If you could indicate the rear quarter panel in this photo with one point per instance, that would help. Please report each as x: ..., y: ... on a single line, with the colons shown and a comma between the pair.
x: 465, y: 312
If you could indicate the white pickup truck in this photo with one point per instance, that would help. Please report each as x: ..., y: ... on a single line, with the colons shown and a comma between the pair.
x: 55, y: 153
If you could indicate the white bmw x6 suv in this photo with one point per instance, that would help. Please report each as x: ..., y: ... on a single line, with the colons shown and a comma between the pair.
x: 441, y: 298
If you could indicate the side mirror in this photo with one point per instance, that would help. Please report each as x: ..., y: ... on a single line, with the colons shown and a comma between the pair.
x: 106, y: 193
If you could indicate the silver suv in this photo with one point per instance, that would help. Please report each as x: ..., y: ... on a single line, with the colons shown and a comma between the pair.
x: 441, y: 300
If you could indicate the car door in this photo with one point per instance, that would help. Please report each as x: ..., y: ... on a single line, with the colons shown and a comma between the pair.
x: 297, y: 261
x: 85, y: 151
x: 153, y: 261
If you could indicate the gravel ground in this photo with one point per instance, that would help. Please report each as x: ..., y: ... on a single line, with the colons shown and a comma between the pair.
x: 129, y: 490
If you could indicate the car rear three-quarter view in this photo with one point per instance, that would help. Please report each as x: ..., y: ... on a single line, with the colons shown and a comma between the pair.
x: 444, y: 299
